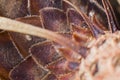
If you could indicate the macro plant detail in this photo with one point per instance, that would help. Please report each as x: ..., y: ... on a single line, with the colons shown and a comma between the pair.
x: 59, y: 40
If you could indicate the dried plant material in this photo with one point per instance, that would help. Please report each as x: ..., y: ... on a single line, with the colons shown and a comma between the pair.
x: 33, y: 20
x: 94, y: 29
x: 62, y: 67
x: 4, y: 74
x: 104, y: 53
x: 58, y: 67
x: 113, y: 24
x: 24, y: 42
x: 30, y: 71
x: 13, y: 8
x: 36, y: 5
x: 65, y: 6
x: 78, y: 45
x: 6, y: 51
x: 32, y: 30
x: 75, y: 18
x: 9, y: 55
x: 50, y: 77
x: 23, y: 28
x: 69, y: 76
x: 44, y: 53
x: 54, y: 19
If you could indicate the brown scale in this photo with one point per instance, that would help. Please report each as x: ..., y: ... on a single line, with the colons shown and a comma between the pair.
x: 67, y: 51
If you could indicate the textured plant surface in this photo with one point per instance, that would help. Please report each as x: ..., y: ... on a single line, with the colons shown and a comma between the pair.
x: 59, y: 40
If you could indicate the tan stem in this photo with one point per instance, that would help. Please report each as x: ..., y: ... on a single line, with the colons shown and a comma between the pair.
x: 15, y: 26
